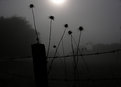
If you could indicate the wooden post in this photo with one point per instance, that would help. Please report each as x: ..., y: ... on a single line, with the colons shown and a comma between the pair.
x: 40, y: 65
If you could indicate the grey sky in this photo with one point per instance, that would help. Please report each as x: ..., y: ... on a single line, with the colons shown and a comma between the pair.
x: 101, y: 19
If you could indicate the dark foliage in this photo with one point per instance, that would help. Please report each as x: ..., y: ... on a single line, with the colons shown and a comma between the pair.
x: 16, y: 37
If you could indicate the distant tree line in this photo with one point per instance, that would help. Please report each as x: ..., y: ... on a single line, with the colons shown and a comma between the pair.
x: 16, y: 37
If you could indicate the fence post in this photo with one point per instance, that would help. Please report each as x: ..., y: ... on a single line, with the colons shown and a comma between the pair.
x: 40, y: 65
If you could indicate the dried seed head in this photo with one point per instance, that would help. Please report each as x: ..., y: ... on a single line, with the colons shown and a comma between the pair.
x: 54, y: 46
x: 81, y: 28
x: 31, y: 6
x: 66, y: 25
x: 51, y: 17
x: 69, y: 32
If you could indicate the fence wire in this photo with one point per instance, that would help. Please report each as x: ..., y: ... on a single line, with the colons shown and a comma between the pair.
x: 83, y: 54
x: 58, y: 79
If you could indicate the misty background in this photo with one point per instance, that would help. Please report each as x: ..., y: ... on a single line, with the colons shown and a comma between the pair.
x: 101, y: 20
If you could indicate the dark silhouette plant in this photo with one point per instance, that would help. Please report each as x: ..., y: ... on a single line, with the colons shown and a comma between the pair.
x: 32, y: 6
x: 72, y: 46
x: 54, y: 46
x: 66, y: 27
x: 51, y: 19
x: 64, y: 60
x: 80, y: 29
x: 70, y: 33
x: 76, y: 70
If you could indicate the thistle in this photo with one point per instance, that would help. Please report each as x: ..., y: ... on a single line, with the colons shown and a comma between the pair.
x: 31, y: 6
x: 66, y: 25
x: 54, y: 46
x: 69, y: 32
x: 81, y: 28
x: 51, y: 19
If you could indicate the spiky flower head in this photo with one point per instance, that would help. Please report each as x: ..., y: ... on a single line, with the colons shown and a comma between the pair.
x: 31, y: 6
x: 54, y: 46
x: 51, y: 17
x: 81, y: 28
x: 66, y: 25
x: 69, y: 32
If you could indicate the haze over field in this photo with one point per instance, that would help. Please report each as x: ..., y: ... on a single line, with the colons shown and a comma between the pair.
x: 96, y: 23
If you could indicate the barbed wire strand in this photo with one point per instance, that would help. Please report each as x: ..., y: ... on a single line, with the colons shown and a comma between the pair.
x: 90, y: 54
x: 57, y: 57
x: 57, y: 50
x: 82, y: 56
x: 64, y: 60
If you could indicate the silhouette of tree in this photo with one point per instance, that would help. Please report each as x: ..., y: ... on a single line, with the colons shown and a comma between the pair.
x: 106, y: 47
x: 16, y: 37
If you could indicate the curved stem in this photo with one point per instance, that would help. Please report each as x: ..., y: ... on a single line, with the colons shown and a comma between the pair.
x: 35, y: 26
x: 76, y: 71
x: 78, y: 44
x: 60, y: 42
x: 49, y: 38
x: 82, y: 57
x: 56, y: 50
x: 73, y: 61
x: 78, y: 50
x: 65, y: 69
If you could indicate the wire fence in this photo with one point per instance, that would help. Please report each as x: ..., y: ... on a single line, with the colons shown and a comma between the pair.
x: 88, y: 54
x: 7, y: 59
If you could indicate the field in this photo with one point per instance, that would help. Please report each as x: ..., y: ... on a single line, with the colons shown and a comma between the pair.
x: 104, y: 71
